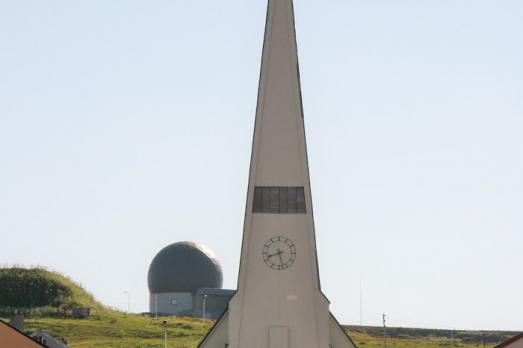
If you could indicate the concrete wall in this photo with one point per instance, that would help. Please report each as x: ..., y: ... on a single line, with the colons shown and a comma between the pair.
x: 172, y: 303
x: 215, y: 305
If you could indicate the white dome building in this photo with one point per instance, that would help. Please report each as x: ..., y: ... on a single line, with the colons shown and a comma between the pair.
x: 184, y: 278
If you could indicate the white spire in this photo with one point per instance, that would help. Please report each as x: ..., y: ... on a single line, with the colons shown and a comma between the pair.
x: 278, y: 303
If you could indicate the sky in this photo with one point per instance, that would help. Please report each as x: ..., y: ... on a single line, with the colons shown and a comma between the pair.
x: 126, y: 126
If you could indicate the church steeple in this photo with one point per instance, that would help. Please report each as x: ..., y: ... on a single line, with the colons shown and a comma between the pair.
x: 279, y: 303
x: 279, y: 173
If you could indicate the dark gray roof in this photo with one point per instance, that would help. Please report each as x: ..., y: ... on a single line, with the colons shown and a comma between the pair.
x: 184, y: 267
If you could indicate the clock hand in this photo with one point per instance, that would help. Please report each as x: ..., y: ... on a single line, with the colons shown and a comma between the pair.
x: 279, y: 254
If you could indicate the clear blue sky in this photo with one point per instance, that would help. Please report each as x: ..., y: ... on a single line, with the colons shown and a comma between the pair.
x: 126, y: 126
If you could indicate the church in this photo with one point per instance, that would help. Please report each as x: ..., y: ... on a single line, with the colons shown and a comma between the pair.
x: 279, y: 302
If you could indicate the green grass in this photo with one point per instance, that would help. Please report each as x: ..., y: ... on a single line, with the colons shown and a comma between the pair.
x: 118, y: 330
x: 364, y: 340
x: 370, y: 336
x: 115, y: 329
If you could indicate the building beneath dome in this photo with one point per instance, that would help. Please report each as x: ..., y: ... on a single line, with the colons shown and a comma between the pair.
x: 185, y: 278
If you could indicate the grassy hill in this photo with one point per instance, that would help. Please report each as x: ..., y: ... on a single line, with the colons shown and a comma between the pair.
x: 37, y: 290
x: 115, y: 329
x: 46, y: 299
x: 372, y: 337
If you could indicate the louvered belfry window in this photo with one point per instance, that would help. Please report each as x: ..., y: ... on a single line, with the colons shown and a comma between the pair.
x: 279, y: 200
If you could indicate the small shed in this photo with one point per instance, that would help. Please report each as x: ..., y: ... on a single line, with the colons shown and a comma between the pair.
x: 514, y: 342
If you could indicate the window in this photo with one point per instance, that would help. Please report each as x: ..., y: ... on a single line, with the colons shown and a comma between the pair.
x: 173, y: 302
x: 279, y: 200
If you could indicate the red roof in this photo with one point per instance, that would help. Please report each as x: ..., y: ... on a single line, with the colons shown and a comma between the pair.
x: 8, y: 331
x: 510, y: 340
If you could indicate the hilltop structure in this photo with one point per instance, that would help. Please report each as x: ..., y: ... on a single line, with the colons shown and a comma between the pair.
x: 279, y: 303
x: 185, y: 278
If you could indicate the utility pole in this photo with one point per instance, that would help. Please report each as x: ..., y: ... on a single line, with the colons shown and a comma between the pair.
x: 361, y: 303
x: 204, y: 303
x: 156, y: 305
x: 384, y: 333
x: 165, y: 333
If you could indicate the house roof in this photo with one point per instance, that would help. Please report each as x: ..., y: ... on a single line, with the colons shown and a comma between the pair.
x: 16, y: 331
x: 510, y: 340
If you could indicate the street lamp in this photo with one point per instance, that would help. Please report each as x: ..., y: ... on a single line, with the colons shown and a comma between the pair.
x: 156, y: 305
x: 165, y: 333
x: 128, y: 301
x: 204, y: 303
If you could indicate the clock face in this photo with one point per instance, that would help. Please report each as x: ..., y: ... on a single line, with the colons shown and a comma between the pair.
x: 279, y: 253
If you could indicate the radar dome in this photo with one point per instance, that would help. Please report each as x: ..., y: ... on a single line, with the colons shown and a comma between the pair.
x: 184, y: 267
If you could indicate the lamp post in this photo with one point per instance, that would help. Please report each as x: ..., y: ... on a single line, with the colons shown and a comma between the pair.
x: 165, y: 333
x: 384, y: 333
x: 128, y: 301
x: 156, y: 305
x: 204, y: 303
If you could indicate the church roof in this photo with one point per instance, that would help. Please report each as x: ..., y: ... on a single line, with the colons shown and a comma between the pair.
x: 510, y: 341
x: 13, y: 337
